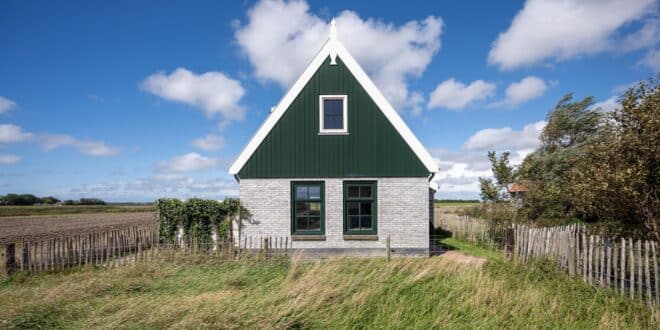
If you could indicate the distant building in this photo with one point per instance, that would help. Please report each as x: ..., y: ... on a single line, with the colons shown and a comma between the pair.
x: 518, y: 191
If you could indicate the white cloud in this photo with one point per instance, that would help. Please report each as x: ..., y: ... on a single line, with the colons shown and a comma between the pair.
x: 455, y: 95
x: 11, y: 133
x: 607, y: 105
x: 522, y: 91
x: 188, y: 163
x: 214, y: 92
x: 6, y: 105
x: 88, y: 147
x: 506, y: 138
x: 651, y: 60
x: 210, y: 142
x: 9, y: 159
x: 561, y: 30
x: 281, y: 38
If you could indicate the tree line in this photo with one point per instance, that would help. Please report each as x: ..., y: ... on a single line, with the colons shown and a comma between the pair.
x: 29, y: 199
x: 593, y: 166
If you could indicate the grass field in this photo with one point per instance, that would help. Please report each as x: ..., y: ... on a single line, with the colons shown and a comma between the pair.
x: 341, y: 293
x: 6, y: 211
x: 455, y: 204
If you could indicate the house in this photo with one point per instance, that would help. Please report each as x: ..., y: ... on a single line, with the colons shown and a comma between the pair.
x: 335, y: 169
x: 518, y: 190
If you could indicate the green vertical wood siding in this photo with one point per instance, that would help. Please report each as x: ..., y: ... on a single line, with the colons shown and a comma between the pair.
x: 372, y: 148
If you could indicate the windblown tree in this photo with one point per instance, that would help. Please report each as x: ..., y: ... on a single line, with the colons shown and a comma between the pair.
x: 599, y: 167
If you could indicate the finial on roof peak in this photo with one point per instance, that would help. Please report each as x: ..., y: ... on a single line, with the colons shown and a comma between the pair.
x: 333, y: 42
x: 333, y: 29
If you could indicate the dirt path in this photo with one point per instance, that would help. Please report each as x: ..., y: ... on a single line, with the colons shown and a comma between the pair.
x: 40, y: 227
x: 464, y: 259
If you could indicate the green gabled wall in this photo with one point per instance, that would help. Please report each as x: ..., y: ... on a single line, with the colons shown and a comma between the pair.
x: 294, y: 148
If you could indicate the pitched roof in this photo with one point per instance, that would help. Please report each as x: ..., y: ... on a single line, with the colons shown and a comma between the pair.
x: 333, y: 48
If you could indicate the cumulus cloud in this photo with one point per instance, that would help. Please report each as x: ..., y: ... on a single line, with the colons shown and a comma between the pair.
x: 6, y: 105
x: 188, y: 163
x: 210, y: 142
x: 11, y: 133
x: 88, y: 147
x: 280, y: 38
x: 214, y: 92
x: 517, y: 93
x: 506, y: 138
x: 561, y: 30
x: 455, y: 95
x: 651, y: 60
x: 9, y: 159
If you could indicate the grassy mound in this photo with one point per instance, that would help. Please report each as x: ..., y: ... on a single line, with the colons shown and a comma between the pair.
x: 341, y: 293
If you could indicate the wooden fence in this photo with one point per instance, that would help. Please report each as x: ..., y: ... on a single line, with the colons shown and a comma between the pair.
x: 125, y: 246
x: 629, y: 266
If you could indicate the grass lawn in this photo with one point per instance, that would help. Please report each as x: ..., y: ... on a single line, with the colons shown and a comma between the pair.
x: 339, y: 293
x: 6, y: 211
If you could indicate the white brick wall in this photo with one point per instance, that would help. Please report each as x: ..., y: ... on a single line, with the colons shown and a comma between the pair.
x: 403, y: 212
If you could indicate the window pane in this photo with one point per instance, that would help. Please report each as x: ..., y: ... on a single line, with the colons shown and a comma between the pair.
x: 354, y: 222
x: 365, y: 208
x: 302, y: 209
x: 333, y: 114
x: 301, y: 192
x: 314, y: 192
x: 353, y: 208
x: 365, y: 222
x: 314, y: 209
x: 314, y: 224
x: 301, y: 224
x: 353, y: 191
x: 365, y: 191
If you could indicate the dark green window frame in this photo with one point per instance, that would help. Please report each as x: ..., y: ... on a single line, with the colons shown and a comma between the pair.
x: 357, y: 205
x: 309, y: 216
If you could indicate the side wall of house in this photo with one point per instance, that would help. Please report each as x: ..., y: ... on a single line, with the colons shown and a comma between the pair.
x: 403, y: 215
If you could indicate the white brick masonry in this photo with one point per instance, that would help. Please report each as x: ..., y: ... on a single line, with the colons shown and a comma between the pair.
x: 403, y: 213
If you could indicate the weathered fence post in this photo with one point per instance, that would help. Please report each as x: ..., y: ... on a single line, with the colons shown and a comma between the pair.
x: 509, y: 243
x: 389, y: 250
x: 10, y: 258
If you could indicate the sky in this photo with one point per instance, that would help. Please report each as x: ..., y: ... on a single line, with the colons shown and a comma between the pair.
x: 137, y: 100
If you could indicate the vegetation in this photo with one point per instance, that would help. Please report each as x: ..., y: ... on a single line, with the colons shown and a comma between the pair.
x: 198, y: 218
x: 598, y: 167
x: 26, y: 199
x: 339, y: 293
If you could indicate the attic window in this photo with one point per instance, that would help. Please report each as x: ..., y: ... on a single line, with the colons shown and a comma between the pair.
x: 333, y: 114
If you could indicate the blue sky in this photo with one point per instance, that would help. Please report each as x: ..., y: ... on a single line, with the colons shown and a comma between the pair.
x: 135, y: 100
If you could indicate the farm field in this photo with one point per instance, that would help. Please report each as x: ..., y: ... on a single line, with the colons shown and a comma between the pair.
x: 447, y: 291
x: 44, y: 226
x: 6, y: 211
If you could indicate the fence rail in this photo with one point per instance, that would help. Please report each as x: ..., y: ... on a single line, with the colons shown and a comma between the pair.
x: 629, y: 266
x: 126, y: 246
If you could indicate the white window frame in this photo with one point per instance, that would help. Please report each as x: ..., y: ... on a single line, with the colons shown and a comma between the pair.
x: 341, y: 131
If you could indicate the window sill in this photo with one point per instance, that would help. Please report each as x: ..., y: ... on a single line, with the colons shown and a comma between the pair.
x: 308, y: 237
x: 348, y: 237
x: 333, y: 133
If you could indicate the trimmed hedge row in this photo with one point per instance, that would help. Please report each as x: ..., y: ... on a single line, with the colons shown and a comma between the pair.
x: 198, y: 217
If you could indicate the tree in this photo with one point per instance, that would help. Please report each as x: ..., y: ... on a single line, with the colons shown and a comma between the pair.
x: 488, y: 190
x: 504, y: 175
x: 599, y: 167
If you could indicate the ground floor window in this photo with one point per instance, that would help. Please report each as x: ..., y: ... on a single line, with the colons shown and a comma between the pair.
x: 360, y: 207
x: 307, y: 209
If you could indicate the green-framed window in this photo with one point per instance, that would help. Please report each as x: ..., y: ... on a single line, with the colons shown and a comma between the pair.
x: 360, y: 208
x: 307, y: 208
